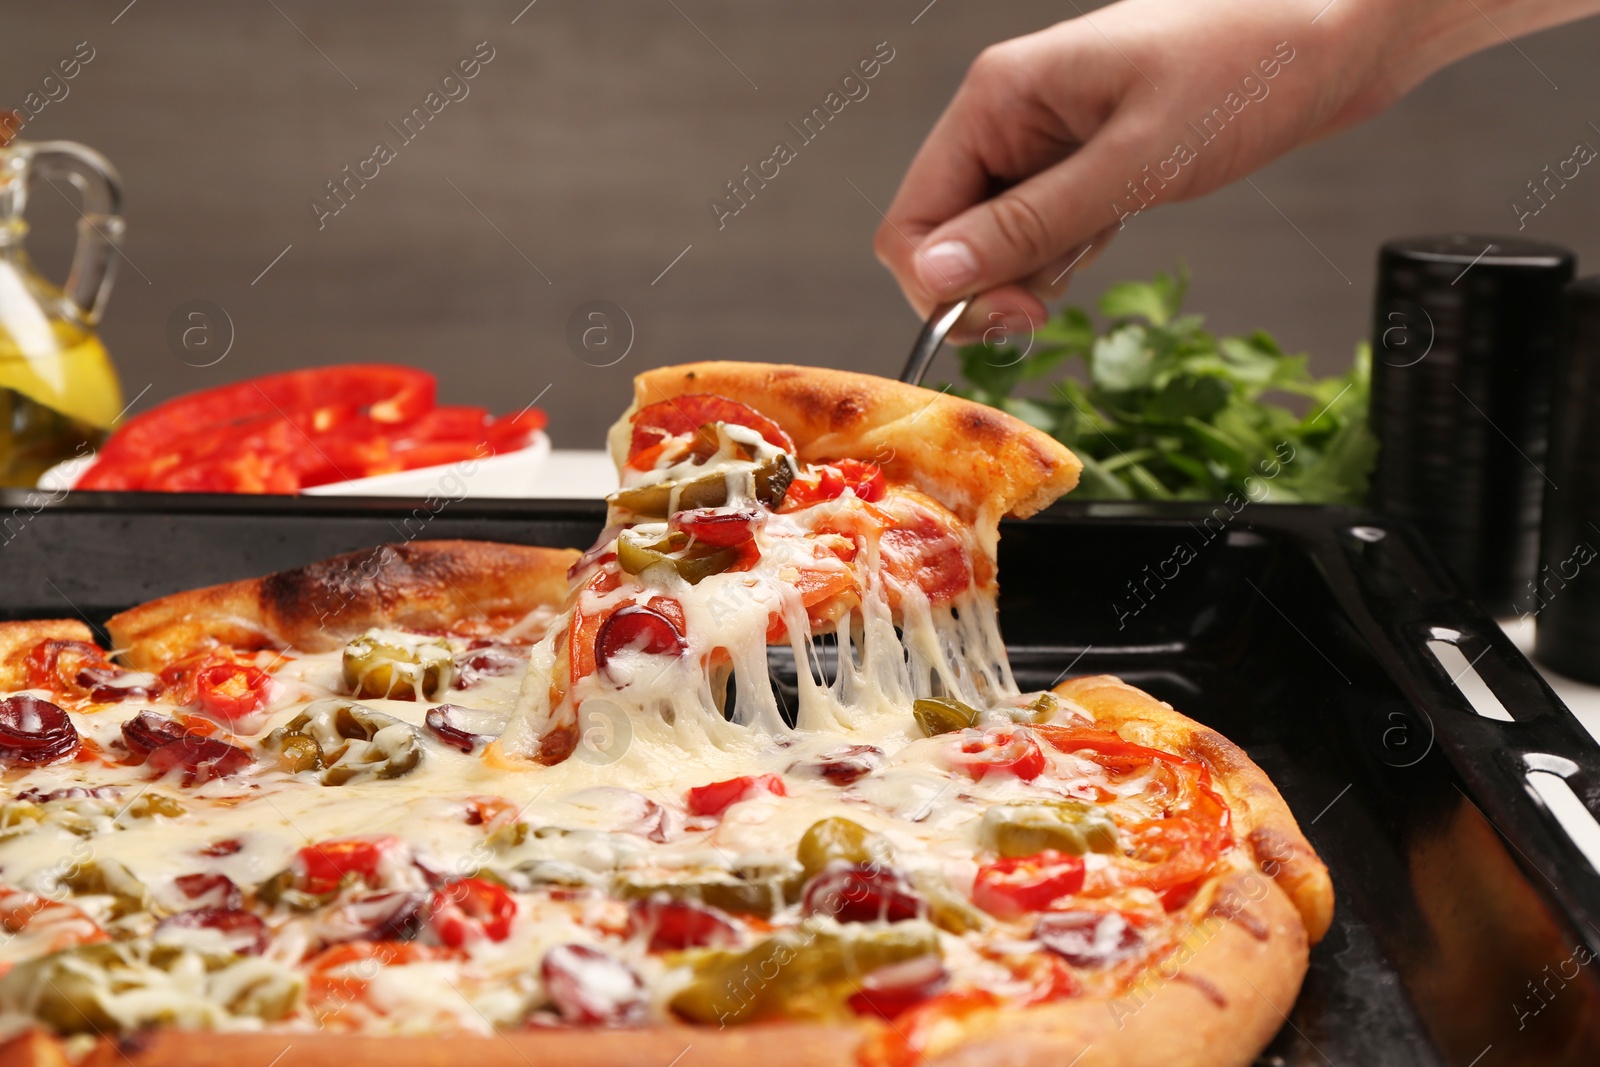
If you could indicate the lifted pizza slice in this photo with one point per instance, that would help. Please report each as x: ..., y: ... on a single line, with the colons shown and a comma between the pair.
x: 770, y: 505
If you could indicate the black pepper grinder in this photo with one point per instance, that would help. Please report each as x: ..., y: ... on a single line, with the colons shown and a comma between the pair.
x: 1465, y: 334
x: 1565, y: 595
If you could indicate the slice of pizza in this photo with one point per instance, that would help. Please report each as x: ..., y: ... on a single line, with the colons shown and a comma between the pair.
x: 765, y: 504
x: 323, y: 809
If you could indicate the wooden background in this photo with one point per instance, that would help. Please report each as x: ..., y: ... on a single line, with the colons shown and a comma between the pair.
x: 581, y: 163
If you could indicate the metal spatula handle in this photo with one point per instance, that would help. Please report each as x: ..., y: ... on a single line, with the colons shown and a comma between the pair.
x: 931, y: 339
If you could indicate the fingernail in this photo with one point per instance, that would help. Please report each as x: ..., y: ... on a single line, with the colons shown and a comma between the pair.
x: 947, y: 267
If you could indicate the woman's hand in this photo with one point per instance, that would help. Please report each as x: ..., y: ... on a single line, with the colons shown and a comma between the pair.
x: 1057, y: 140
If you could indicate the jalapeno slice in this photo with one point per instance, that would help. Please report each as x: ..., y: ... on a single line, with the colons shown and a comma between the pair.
x: 1070, y: 826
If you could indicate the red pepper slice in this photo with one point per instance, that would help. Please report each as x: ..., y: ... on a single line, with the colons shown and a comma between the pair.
x: 922, y: 1033
x: 284, y: 432
x: 1005, y: 749
x: 828, y: 482
x: 1008, y: 888
x: 721, y: 527
x: 685, y: 414
x: 231, y: 691
x: 321, y: 868
x: 390, y: 393
x: 718, y: 797
x: 1168, y: 854
x: 467, y: 909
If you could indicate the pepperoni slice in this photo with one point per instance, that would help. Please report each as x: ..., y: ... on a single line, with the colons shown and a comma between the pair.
x: 920, y: 551
x: 34, y: 731
x: 640, y: 629
x: 655, y: 423
x: 587, y: 987
x: 674, y: 925
x: 242, y: 931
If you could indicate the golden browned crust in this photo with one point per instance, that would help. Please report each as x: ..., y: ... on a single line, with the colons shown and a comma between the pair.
x: 1261, y: 820
x: 978, y: 461
x: 33, y: 1049
x: 18, y: 638
x: 1215, y: 1002
x: 771, y: 1045
x: 419, y: 585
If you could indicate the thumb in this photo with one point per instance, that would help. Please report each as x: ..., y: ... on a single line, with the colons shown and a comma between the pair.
x: 1018, y: 233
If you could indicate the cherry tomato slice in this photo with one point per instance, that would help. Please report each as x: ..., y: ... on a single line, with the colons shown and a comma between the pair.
x: 999, y: 749
x: 718, y: 797
x: 685, y: 414
x: 468, y: 909
x: 1008, y: 888
x: 828, y: 482
x: 865, y: 479
x: 813, y: 487
x: 231, y: 691
x: 322, y: 868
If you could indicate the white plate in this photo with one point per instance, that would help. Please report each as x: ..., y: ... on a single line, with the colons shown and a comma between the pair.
x: 512, y: 474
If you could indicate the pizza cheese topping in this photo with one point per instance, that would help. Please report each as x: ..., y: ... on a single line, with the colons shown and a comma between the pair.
x: 621, y: 822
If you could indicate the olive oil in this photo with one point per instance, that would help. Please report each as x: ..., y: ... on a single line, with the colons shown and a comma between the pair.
x: 58, y: 399
x: 59, y: 394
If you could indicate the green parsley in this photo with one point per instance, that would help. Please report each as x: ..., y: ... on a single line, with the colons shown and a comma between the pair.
x: 1167, y: 411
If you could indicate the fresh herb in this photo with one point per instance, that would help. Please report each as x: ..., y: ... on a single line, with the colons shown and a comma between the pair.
x: 1167, y: 411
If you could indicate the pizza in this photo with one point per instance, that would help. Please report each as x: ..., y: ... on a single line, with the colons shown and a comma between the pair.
x: 749, y: 777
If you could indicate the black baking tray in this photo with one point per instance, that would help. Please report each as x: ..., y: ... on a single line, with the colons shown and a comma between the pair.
x: 1466, y: 917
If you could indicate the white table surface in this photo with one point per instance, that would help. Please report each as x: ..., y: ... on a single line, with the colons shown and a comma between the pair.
x: 582, y: 474
x: 575, y: 474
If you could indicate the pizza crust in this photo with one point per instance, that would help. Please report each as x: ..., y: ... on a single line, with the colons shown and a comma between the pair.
x: 1217, y: 1002
x: 417, y: 585
x: 769, y: 1044
x: 978, y: 461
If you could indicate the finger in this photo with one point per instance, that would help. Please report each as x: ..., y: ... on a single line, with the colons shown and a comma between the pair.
x: 1021, y: 231
x: 946, y: 177
x: 995, y: 129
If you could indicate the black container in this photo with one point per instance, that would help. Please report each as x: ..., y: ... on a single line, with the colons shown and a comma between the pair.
x: 1464, y: 337
x: 1566, y: 594
x: 1465, y: 914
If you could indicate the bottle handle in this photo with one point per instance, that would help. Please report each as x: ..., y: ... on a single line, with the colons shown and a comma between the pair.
x: 100, y: 225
